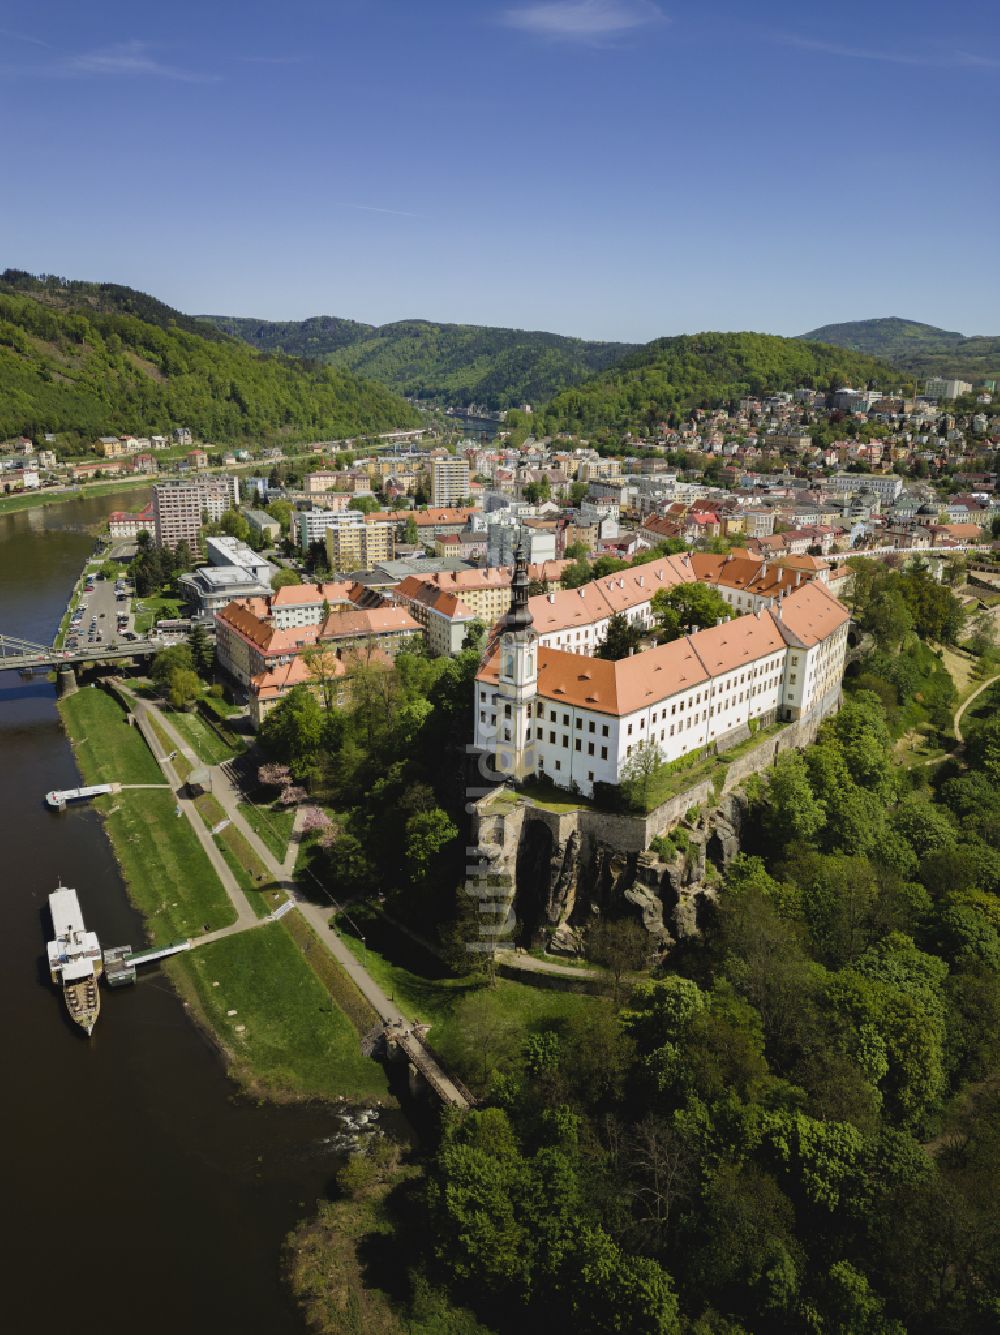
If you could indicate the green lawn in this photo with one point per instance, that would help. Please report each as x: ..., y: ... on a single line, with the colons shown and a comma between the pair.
x: 209, y: 749
x: 150, y: 610
x: 272, y: 825
x: 253, y: 876
x: 433, y: 998
x: 107, y: 749
x: 287, y: 1038
x: 169, y: 876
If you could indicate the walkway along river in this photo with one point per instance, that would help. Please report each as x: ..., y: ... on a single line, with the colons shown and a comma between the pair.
x: 141, y: 1194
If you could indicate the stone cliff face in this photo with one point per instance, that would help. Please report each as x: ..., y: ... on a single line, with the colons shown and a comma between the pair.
x: 568, y: 874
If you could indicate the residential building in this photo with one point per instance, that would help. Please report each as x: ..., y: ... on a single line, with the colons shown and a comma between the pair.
x: 938, y: 387
x: 123, y: 524
x: 449, y: 480
x: 444, y: 617
x: 180, y: 508
x: 358, y: 546
x: 263, y: 527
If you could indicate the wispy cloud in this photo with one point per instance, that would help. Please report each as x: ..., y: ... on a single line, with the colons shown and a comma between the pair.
x: 888, y: 56
x: 22, y: 37
x: 583, y: 20
x: 373, y: 208
x: 129, y: 59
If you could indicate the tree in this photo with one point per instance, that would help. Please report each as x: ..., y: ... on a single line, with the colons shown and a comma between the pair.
x: 366, y: 504
x: 427, y: 833
x: 202, y: 650
x: 638, y: 773
x: 621, y: 638
x: 793, y: 811
x: 282, y: 511
x: 283, y: 578
x: 688, y: 607
x: 621, y: 947
x: 475, y: 637
x: 411, y: 534
x: 486, y: 1034
x: 326, y: 669
x: 183, y: 688
x: 293, y: 731
x: 167, y: 660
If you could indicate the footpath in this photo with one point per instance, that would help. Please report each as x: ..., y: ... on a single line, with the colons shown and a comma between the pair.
x: 398, y: 1029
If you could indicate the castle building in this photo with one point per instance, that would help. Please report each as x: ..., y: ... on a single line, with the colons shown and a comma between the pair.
x: 579, y: 720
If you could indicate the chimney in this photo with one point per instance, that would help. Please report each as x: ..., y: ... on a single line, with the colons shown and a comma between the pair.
x: 552, y: 597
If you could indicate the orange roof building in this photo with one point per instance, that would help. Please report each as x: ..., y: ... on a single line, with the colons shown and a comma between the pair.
x: 591, y: 717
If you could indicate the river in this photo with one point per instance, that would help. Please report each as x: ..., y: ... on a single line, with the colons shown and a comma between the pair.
x: 140, y: 1192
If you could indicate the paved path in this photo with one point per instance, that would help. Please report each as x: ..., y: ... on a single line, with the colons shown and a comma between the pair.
x: 282, y: 873
x: 522, y: 963
x: 143, y: 712
x: 977, y: 692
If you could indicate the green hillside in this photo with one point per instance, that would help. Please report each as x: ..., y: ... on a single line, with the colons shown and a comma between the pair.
x: 80, y: 359
x: 672, y: 375
x: 453, y: 364
x: 314, y: 338
x: 918, y: 348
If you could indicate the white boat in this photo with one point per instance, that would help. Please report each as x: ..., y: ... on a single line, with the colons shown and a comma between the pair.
x: 75, y: 961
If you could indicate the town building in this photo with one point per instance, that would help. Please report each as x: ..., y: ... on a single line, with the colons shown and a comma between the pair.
x: 180, y: 508
x: 124, y: 524
x: 262, y: 526
x: 449, y: 481
x: 358, y: 546
x: 938, y: 387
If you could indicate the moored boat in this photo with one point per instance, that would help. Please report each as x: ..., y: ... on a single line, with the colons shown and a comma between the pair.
x: 75, y: 961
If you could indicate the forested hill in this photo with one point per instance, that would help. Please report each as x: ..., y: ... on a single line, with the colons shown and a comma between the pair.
x: 672, y: 375
x: 315, y: 338
x: 921, y: 349
x: 80, y: 359
x: 453, y: 364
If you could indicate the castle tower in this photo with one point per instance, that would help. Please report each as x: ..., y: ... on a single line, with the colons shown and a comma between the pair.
x: 515, y: 752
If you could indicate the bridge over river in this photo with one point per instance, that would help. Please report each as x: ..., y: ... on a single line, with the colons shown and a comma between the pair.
x: 21, y: 655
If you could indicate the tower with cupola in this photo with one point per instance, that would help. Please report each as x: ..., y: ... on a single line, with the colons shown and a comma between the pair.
x: 518, y: 685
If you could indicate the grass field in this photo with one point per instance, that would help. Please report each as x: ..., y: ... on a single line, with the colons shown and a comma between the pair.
x: 209, y: 749
x: 286, y: 1038
x: 107, y: 749
x: 150, y: 610
x: 251, y: 873
x: 423, y: 991
x: 272, y: 825
x: 170, y: 878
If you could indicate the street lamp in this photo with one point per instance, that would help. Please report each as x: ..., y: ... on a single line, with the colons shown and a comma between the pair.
x: 364, y: 945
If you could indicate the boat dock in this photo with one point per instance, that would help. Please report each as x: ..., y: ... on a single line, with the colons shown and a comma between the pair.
x: 59, y: 799
x: 120, y: 961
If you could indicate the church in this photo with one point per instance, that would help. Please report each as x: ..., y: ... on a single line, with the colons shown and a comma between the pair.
x: 578, y: 720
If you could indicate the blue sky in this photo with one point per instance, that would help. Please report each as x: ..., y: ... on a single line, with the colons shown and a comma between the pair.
x: 609, y: 168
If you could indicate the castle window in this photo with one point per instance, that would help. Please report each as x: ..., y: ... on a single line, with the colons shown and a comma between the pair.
x: 590, y: 748
x: 604, y: 753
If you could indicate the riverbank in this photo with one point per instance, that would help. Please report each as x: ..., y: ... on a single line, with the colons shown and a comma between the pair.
x: 37, y: 500
x: 271, y: 1014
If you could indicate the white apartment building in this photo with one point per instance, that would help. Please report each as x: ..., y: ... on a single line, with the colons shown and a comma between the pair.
x: 886, y: 486
x: 450, y: 481
x: 310, y: 525
x: 937, y: 387
x: 579, y: 720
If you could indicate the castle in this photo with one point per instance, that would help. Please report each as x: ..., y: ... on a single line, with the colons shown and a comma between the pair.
x: 579, y: 720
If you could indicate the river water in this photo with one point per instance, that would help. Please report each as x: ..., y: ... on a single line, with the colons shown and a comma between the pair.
x: 140, y: 1193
